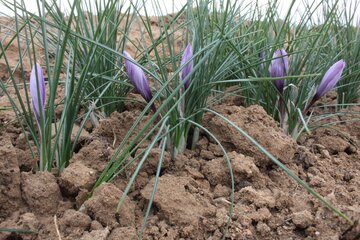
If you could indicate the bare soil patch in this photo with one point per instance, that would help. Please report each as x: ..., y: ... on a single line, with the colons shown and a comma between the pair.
x: 193, y: 194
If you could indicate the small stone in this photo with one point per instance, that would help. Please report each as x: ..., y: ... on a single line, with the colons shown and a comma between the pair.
x: 75, y: 177
x: 318, y: 147
x: 29, y: 221
x: 337, y: 161
x: 243, y: 166
x: 21, y: 141
x: 216, y: 171
x: 215, y: 148
x: 325, y: 154
x: 260, y: 198
x: 194, y: 173
x: 96, y: 235
x: 317, y: 181
x: 73, y: 223
x: 348, y: 176
x: 334, y: 144
x: 95, y: 225
x: 302, y: 219
x: 152, y: 161
x: 263, y: 214
x: 202, y: 143
x: 207, y: 155
x: 102, y: 207
x: 263, y: 229
x: 221, y: 191
x: 305, y: 157
x: 221, y: 217
x: 81, y: 197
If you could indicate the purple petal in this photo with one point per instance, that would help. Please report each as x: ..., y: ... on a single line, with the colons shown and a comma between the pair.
x: 285, y: 59
x: 37, y: 89
x: 279, y: 67
x: 279, y: 84
x: 138, y: 78
x: 187, y: 55
x: 330, y: 79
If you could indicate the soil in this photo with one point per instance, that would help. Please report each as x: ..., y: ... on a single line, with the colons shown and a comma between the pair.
x: 193, y: 197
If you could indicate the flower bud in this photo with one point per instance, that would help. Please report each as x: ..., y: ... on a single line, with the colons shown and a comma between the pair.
x: 37, y: 91
x: 279, y: 67
x: 187, y: 55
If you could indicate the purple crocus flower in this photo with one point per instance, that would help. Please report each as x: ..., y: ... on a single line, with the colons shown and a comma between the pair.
x: 187, y: 55
x: 37, y: 89
x: 138, y: 79
x: 330, y: 79
x: 279, y: 67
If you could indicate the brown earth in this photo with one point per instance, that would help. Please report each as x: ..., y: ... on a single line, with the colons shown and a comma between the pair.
x: 193, y: 196
x: 193, y: 193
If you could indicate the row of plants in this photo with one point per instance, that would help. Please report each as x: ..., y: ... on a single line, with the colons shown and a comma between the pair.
x: 230, y: 49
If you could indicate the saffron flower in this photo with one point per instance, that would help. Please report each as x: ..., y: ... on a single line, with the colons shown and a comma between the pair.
x: 37, y: 92
x: 187, y: 55
x: 330, y: 79
x: 279, y: 67
x: 138, y: 79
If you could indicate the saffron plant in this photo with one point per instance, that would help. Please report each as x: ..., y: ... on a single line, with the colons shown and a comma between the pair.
x: 138, y: 79
x: 140, y: 82
x: 37, y: 93
x: 330, y: 79
x: 289, y: 99
x: 187, y: 64
x: 215, y: 62
x: 279, y: 68
x: 107, y: 23
x: 59, y: 124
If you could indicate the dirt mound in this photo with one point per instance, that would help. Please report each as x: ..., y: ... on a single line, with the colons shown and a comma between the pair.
x: 183, y: 202
x: 255, y: 122
x: 40, y: 192
x: 102, y: 207
x: 10, y: 194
